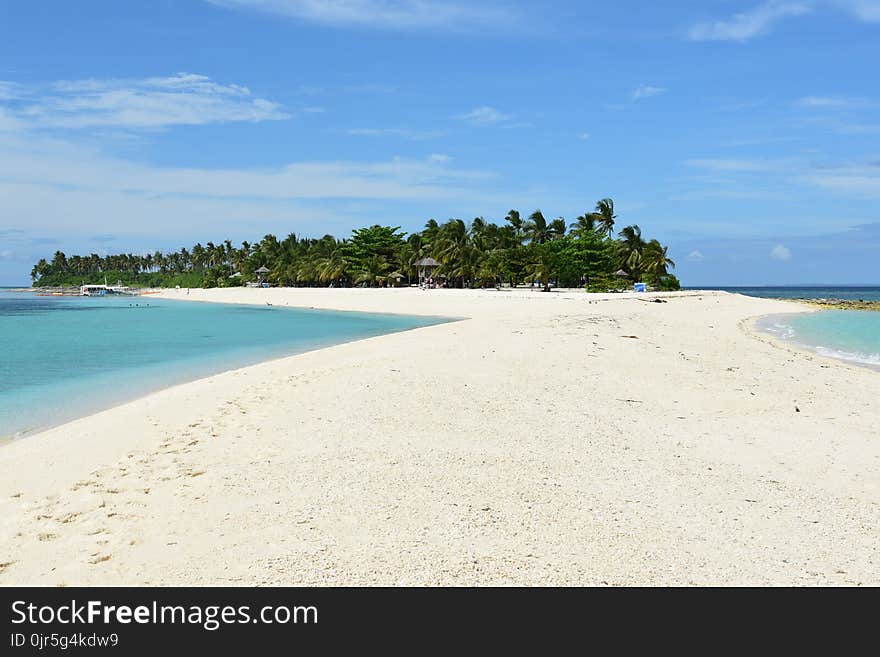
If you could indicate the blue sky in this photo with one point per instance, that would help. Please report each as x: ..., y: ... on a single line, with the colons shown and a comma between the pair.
x: 746, y: 135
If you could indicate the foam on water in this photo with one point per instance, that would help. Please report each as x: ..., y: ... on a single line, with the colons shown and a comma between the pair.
x: 849, y: 335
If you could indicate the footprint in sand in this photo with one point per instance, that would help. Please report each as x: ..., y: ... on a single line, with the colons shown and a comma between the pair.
x: 70, y: 517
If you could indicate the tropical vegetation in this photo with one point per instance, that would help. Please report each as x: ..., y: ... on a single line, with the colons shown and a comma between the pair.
x: 531, y: 250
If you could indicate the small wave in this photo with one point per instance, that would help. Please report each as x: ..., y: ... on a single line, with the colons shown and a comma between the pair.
x: 779, y: 330
x: 853, y: 356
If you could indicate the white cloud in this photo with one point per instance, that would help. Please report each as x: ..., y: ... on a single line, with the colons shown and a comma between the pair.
x: 53, y: 187
x: 776, y: 178
x: 405, y: 133
x: 54, y: 163
x: 387, y: 14
x: 823, y: 102
x: 749, y: 24
x: 484, y: 115
x: 780, y: 252
x: 370, y: 88
x: 729, y: 164
x: 837, y: 125
x: 584, y: 136
x: 10, y: 90
x: 696, y: 256
x: 647, y: 91
x: 864, y: 10
x: 835, y: 102
x: 854, y: 180
x: 150, y: 103
x: 761, y: 19
x: 8, y: 122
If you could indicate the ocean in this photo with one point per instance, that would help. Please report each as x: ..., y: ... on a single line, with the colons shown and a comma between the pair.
x: 65, y: 357
x: 850, y: 335
x: 851, y: 293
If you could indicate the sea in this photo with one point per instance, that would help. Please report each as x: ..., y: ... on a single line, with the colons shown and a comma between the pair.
x: 66, y: 357
x: 851, y: 293
x: 849, y: 335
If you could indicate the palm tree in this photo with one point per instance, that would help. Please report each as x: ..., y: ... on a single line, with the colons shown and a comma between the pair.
x: 584, y: 225
x: 557, y: 228
x: 605, y: 216
x: 429, y: 235
x: 536, y: 228
x: 631, y: 249
x: 451, y: 248
x: 333, y: 268
x: 480, y: 252
x: 655, y: 259
x: 407, y: 256
x: 542, y: 268
x: 374, y: 270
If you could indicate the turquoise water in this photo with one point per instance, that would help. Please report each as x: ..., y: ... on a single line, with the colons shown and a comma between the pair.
x: 64, y: 357
x: 850, y: 335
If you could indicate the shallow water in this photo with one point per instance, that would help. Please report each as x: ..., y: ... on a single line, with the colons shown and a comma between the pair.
x: 850, y: 335
x: 64, y: 357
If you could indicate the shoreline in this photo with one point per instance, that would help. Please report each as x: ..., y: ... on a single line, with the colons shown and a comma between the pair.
x: 195, y: 376
x: 816, y: 350
x: 544, y: 440
x: 840, y: 304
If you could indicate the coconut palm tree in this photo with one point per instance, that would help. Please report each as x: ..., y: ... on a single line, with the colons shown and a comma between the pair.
x: 542, y: 268
x: 584, y: 225
x: 557, y: 228
x: 516, y: 223
x: 605, y: 216
x: 656, y: 259
x: 631, y: 248
x: 479, y: 252
x: 333, y: 268
x: 451, y: 248
x: 536, y: 228
x: 374, y: 270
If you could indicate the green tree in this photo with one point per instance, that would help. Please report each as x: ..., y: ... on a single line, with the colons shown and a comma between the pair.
x: 373, y: 270
x: 605, y: 216
x: 631, y: 249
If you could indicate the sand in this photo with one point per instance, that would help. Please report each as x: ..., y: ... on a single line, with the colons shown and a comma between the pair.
x: 554, y: 439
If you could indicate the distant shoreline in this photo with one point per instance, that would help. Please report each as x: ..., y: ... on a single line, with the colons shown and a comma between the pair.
x: 838, y: 304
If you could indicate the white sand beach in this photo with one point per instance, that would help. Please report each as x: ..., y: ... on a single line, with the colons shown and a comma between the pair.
x: 552, y: 439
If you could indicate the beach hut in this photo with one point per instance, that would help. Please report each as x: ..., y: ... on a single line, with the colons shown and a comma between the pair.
x: 396, y: 276
x: 622, y: 273
x: 261, y: 272
x: 426, y: 267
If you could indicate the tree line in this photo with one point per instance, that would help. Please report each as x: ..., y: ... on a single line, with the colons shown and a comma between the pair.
x: 586, y: 252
